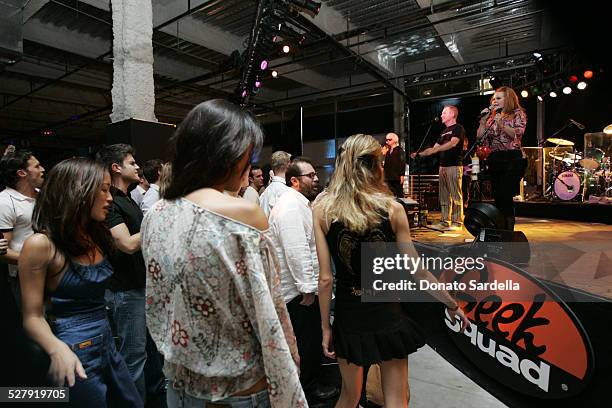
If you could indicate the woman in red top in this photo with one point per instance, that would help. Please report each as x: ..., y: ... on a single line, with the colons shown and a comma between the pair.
x: 502, y: 130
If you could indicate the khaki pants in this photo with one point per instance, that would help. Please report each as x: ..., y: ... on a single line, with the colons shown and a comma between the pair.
x: 451, y: 200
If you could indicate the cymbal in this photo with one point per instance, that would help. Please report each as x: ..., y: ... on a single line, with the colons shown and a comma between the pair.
x: 559, y: 142
x: 566, y: 157
x: 608, y: 130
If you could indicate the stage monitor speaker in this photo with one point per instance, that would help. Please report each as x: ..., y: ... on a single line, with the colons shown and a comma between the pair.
x: 11, y: 31
x: 517, y: 253
x: 149, y: 139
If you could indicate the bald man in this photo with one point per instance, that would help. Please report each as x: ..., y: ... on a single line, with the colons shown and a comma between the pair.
x: 450, y: 148
x: 395, y: 163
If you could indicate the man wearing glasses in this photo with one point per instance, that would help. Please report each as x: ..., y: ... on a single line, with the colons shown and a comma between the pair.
x: 292, y: 235
x: 395, y: 163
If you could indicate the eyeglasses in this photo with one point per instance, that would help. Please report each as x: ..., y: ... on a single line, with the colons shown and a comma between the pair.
x: 309, y: 175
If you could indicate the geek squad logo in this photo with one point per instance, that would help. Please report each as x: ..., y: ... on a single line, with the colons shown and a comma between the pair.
x: 537, y: 347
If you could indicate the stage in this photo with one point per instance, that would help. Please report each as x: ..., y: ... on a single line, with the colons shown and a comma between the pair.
x: 566, y: 210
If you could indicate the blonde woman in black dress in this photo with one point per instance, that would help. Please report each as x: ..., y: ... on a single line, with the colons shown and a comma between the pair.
x: 358, y: 207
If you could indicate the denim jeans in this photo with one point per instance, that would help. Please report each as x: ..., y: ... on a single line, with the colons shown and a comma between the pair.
x: 127, y: 312
x: 108, y: 382
x: 179, y: 399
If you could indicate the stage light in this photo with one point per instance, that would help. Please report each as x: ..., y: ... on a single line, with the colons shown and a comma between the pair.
x: 588, y: 74
x: 244, y: 93
x: 308, y: 6
x: 567, y: 90
x: 552, y: 94
x: 581, y: 85
x: 257, y: 84
x: 263, y: 65
x: 286, y: 49
x: 540, y: 98
x: 537, y: 55
x: 524, y: 93
x: 274, y: 74
x: 573, y: 79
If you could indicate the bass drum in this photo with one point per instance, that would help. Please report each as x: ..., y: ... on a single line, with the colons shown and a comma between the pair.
x: 567, y: 185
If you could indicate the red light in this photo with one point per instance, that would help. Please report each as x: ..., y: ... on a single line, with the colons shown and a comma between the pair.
x: 573, y: 79
x: 588, y: 74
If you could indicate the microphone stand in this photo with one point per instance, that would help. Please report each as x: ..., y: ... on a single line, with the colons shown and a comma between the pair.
x: 422, y: 219
x: 479, y: 142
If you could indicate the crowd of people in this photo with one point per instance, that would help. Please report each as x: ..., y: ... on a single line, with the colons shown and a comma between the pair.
x: 190, y: 283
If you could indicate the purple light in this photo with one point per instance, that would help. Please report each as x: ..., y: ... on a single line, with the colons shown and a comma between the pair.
x: 263, y: 65
x: 257, y: 84
x: 244, y: 93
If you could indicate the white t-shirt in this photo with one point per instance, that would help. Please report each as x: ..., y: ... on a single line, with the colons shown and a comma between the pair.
x: 271, y: 194
x: 138, y: 194
x: 16, y: 217
x: 150, y: 198
x: 251, y: 194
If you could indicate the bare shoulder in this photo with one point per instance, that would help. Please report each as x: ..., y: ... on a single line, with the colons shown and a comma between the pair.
x: 38, y: 248
x: 246, y: 212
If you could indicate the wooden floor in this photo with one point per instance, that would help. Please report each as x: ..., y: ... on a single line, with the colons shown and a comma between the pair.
x: 571, y: 253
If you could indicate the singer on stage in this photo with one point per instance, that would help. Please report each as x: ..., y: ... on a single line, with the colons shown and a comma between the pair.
x: 501, y: 129
x: 450, y: 146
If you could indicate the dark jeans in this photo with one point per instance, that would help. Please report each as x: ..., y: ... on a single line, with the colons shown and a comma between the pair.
x: 127, y: 309
x: 506, y: 168
x: 306, y: 322
x: 108, y: 381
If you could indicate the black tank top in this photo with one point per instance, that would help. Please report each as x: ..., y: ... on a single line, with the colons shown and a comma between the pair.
x: 345, y: 248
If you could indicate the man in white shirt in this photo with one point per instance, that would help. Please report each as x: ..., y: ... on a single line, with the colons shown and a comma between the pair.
x: 152, y: 172
x: 278, y: 185
x: 255, y: 183
x: 140, y: 190
x: 22, y: 175
x: 292, y: 235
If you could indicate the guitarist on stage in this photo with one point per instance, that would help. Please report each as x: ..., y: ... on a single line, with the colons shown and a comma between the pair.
x: 450, y: 146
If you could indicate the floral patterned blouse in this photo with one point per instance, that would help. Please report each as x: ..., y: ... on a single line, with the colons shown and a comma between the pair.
x: 497, y: 139
x: 214, y: 306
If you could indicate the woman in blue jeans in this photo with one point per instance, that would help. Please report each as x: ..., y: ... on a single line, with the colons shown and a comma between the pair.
x: 63, y: 268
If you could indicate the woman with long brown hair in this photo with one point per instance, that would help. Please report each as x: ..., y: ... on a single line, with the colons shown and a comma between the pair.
x: 359, y: 208
x: 502, y: 131
x: 65, y: 266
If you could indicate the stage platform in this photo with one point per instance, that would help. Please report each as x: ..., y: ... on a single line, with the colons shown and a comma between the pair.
x: 581, y: 254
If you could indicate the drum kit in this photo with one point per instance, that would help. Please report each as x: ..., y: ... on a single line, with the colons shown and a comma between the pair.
x: 576, y: 176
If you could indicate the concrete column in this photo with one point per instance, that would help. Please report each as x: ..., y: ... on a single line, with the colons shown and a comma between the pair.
x: 398, y: 113
x: 133, y: 90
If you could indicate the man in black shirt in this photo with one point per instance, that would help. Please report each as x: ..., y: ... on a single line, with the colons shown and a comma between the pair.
x: 449, y: 145
x: 126, y: 294
x: 395, y: 163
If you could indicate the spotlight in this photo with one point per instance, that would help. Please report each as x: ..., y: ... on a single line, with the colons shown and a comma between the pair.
x: 286, y: 49
x: 257, y: 84
x: 588, y: 74
x: 573, y: 79
x: 244, y: 93
x: 540, y: 98
x: 263, y: 65
x: 274, y: 74
x: 552, y: 94
x: 581, y: 85
x: 524, y: 93
x: 567, y: 90
x: 537, y: 55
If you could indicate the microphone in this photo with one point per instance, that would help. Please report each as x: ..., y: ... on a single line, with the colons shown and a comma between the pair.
x: 485, y: 112
x: 577, y: 124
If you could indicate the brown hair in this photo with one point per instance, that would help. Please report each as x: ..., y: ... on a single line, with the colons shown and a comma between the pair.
x: 512, y: 101
x: 63, y: 208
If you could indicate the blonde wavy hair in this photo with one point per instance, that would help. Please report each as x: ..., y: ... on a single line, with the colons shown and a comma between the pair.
x: 357, y: 195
